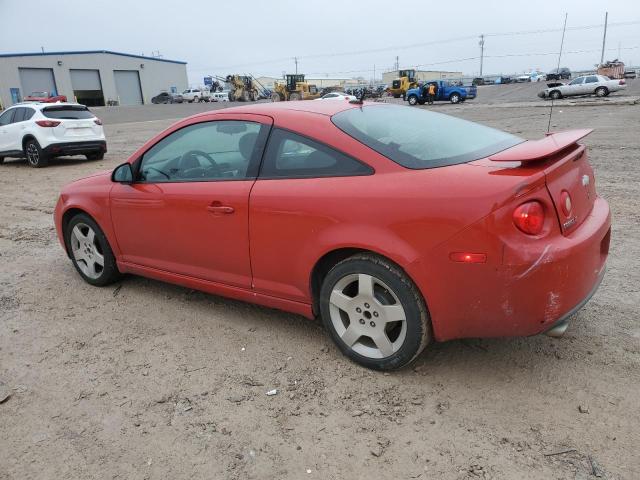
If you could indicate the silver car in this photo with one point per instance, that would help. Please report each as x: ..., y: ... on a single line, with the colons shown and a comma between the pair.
x: 598, y: 85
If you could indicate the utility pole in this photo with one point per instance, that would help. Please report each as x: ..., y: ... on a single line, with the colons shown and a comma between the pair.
x: 481, y: 43
x: 397, y: 63
x: 295, y: 59
x: 374, y: 74
x: 604, y: 37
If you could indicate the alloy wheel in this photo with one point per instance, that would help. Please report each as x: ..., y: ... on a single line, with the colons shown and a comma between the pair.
x: 87, y: 252
x: 367, y: 316
x: 33, y: 156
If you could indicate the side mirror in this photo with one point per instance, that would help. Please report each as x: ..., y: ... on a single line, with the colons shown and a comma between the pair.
x: 123, y: 174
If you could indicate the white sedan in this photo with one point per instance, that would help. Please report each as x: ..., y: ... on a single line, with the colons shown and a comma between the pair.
x: 598, y: 85
x: 336, y: 96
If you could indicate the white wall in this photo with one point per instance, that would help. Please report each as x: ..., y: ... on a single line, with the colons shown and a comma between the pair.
x: 155, y: 75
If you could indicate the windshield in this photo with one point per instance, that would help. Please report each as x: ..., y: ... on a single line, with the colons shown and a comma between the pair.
x: 416, y: 138
x: 68, y: 112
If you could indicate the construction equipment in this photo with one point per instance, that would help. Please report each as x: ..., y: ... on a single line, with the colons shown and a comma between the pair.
x: 405, y: 81
x: 242, y: 88
x: 294, y: 88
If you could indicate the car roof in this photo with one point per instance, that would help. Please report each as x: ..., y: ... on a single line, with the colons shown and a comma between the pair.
x: 272, y: 108
x: 41, y: 105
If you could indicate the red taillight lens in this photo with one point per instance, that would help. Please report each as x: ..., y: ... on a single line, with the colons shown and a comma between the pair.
x: 97, y: 121
x: 622, y: 82
x: 529, y: 218
x: 47, y: 123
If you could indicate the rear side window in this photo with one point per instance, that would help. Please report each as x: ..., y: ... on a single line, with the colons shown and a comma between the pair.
x: 417, y: 139
x: 289, y: 155
x: 7, y: 117
x: 592, y: 79
x: 67, y: 112
x: 28, y: 113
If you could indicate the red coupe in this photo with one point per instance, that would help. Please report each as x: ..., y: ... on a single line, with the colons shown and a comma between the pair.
x: 397, y: 226
x: 44, y: 97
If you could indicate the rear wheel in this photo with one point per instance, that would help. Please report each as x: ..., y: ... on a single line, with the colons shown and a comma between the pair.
x: 454, y: 98
x: 90, y: 251
x: 374, y: 312
x: 196, y: 99
x: 555, y: 94
x: 35, y: 156
x: 602, y: 92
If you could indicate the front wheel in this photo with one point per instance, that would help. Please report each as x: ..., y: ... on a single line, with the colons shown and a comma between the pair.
x: 413, y: 100
x: 90, y: 251
x: 374, y: 312
x: 556, y: 95
x: 454, y: 98
x: 35, y: 155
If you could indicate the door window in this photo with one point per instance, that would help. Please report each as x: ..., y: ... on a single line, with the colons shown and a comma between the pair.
x: 577, y: 81
x: 7, y: 117
x: 293, y: 156
x: 19, y: 115
x: 221, y: 150
x: 591, y: 79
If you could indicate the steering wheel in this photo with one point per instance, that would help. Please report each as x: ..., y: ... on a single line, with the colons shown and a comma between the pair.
x: 192, y: 156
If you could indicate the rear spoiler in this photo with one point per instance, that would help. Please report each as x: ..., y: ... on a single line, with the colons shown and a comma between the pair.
x: 533, y: 150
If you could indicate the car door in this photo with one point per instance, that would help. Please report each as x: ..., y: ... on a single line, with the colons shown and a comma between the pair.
x: 5, y: 127
x: 187, y: 210
x: 575, y: 87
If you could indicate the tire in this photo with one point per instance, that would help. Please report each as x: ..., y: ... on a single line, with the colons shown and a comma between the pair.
x: 295, y: 96
x: 602, y: 92
x: 196, y: 100
x: 95, y: 156
x: 454, y: 98
x: 555, y: 95
x: 36, y: 158
x: 1, y: 160
x: 275, y: 97
x: 413, y: 99
x: 87, y: 250
x: 245, y: 96
x: 398, y: 342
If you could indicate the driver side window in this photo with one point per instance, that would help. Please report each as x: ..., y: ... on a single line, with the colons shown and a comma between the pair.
x: 208, y: 151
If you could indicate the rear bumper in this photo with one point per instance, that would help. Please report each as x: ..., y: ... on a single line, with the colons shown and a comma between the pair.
x: 525, y: 288
x: 76, y: 148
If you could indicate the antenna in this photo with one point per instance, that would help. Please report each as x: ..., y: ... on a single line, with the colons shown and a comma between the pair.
x: 564, y: 28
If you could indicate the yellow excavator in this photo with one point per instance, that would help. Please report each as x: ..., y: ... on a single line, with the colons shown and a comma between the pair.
x: 242, y: 88
x: 294, y: 87
x: 405, y: 81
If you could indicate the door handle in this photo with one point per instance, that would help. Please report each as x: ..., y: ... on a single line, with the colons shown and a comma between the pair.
x: 225, y: 209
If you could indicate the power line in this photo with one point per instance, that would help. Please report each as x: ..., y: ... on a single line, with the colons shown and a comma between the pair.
x: 421, y: 44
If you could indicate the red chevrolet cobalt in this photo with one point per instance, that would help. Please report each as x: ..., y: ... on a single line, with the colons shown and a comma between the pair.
x: 397, y: 226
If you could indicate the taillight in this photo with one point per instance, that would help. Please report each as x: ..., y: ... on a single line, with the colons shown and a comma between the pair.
x: 622, y: 82
x: 529, y: 217
x: 97, y: 121
x: 47, y: 123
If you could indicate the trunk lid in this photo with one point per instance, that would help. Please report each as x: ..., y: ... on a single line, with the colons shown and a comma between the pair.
x: 568, y: 174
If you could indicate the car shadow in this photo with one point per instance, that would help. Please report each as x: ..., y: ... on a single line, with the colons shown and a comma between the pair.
x: 53, y: 162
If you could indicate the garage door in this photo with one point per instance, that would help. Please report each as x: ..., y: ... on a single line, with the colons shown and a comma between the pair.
x: 87, y: 87
x: 37, y: 80
x: 128, y: 87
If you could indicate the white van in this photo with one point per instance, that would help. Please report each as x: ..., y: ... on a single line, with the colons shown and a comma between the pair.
x: 220, y: 97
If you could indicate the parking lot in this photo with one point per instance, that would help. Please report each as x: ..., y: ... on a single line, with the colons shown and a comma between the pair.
x: 148, y: 380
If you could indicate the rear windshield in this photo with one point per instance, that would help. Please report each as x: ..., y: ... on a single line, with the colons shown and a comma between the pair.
x: 416, y: 138
x: 67, y: 112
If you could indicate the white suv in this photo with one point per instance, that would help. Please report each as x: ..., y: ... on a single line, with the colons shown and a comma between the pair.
x: 40, y: 131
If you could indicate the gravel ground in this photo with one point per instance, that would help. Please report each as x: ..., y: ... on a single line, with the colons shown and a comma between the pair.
x: 144, y: 380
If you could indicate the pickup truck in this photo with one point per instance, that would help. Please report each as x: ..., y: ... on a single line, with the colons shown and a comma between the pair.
x: 445, y: 92
x: 196, y: 95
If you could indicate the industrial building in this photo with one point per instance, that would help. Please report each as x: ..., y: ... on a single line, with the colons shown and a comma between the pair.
x: 422, y: 75
x: 93, y: 78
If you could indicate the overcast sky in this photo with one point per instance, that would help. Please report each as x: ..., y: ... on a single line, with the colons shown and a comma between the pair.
x: 329, y: 37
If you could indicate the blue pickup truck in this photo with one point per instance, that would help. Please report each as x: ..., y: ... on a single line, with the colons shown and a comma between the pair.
x: 445, y: 92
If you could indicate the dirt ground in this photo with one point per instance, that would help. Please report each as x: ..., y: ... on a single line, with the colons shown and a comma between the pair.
x: 144, y: 380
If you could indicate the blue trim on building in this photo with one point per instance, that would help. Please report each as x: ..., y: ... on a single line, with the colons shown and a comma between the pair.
x: 88, y: 52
